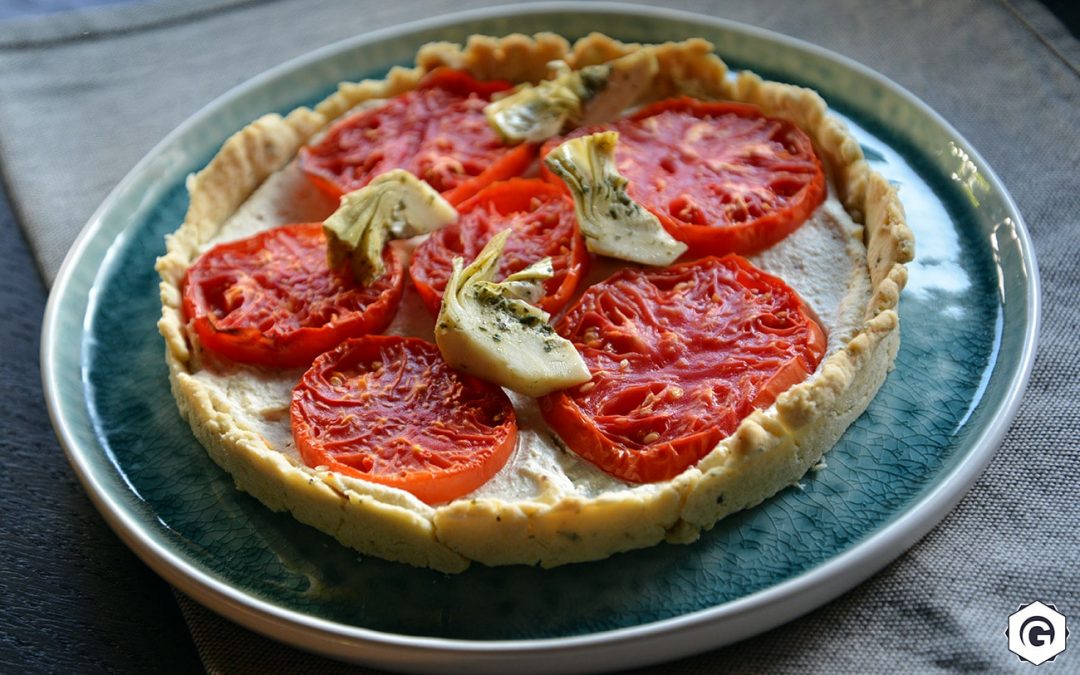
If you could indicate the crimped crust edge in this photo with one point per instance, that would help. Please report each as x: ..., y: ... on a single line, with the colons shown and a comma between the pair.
x: 770, y: 450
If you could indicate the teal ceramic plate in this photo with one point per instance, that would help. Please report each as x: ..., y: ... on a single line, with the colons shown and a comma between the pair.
x: 969, y: 318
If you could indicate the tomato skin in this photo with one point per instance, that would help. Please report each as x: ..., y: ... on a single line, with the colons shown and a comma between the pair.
x: 738, y: 185
x: 437, y: 132
x: 411, y: 422
x: 679, y: 357
x: 272, y: 300
x: 544, y: 224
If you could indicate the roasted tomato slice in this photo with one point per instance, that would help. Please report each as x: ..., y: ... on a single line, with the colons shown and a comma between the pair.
x: 721, y: 177
x: 543, y: 223
x: 390, y: 410
x: 272, y: 299
x: 438, y: 132
x: 679, y: 357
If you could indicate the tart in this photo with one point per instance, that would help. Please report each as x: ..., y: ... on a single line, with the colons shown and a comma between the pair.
x: 550, y: 503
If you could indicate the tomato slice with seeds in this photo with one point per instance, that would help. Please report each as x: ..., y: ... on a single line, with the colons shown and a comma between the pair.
x: 721, y: 177
x: 273, y: 300
x: 390, y: 410
x: 679, y: 357
x: 437, y: 132
x: 543, y: 223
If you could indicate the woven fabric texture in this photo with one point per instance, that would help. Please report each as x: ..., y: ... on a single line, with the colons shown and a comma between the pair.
x: 83, y: 101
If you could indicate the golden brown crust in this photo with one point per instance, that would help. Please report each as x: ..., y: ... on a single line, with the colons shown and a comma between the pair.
x: 516, y: 57
x: 770, y: 450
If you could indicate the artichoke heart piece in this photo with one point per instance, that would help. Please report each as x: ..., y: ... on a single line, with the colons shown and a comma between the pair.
x: 395, y: 205
x: 491, y: 331
x: 613, y: 224
x: 615, y: 86
x: 534, y: 113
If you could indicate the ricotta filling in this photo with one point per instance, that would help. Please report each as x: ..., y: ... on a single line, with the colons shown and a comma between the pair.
x: 823, y: 260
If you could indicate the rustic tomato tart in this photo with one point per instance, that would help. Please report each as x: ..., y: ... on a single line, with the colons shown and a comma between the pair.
x: 532, y: 302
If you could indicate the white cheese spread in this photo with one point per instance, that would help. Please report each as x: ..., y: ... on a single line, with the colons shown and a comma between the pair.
x: 823, y: 260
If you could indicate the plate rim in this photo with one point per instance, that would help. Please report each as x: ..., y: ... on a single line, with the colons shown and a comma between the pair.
x: 637, y: 645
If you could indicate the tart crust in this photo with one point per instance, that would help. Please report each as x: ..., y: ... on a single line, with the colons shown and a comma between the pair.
x: 770, y: 450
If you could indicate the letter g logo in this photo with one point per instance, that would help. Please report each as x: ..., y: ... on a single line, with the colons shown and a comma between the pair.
x: 1037, y: 633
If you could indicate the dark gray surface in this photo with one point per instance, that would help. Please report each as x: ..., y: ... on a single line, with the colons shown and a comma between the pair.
x: 72, y: 597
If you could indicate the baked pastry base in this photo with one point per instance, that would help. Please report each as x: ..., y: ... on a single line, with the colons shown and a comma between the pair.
x: 770, y: 450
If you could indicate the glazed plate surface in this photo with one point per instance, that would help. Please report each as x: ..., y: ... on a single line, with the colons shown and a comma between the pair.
x: 969, y: 319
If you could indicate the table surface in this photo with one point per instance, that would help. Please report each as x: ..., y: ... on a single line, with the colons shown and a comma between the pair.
x: 72, y: 596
